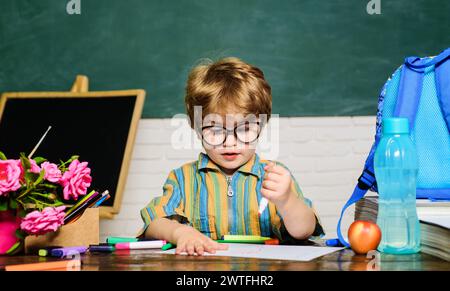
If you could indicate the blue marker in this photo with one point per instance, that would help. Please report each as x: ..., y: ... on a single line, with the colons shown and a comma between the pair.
x: 333, y: 243
x: 105, y: 196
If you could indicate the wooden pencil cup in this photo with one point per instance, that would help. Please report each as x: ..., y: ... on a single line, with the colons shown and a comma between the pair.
x: 83, y: 232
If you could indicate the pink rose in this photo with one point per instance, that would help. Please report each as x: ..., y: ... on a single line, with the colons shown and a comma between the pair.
x: 37, y: 223
x: 33, y: 169
x: 10, y: 174
x: 76, y: 180
x: 52, y: 173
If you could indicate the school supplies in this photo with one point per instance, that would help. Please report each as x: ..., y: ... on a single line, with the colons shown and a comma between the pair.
x: 435, y: 235
x: 80, y: 202
x: 112, y: 240
x: 101, y: 248
x: 69, y: 265
x: 153, y: 244
x: 63, y: 252
x: 105, y: 196
x: 252, y: 239
x: 45, y: 252
x: 419, y: 79
x: 167, y: 246
x: 76, y: 211
x: 272, y: 241
x: 262, y: 205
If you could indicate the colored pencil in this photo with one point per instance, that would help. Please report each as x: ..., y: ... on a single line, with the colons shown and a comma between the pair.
x: 62, y: 265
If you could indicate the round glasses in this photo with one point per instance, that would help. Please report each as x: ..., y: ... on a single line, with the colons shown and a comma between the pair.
x: 247, y: 132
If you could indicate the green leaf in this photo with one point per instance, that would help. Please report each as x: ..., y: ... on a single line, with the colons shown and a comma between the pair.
x: 40, y: 178
x: 20, y: 234
x: 58, y: 203
x: 75, y: 157
x: 29, y: 179
x: 39, y: 160
x: 2, y: 156
x: 3, y: 204
x: 21, y: 213
x: 15, y: 248
x: 49, y: 186
x: 25, y: 162
x: 13, y: 204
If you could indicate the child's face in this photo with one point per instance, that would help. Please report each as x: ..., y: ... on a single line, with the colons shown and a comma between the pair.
x: 230, y: 140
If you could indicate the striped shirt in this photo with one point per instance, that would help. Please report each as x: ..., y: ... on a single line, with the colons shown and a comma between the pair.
x: 201, y: 195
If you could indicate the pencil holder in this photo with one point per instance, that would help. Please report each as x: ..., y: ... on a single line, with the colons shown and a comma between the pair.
x: 83, y: 232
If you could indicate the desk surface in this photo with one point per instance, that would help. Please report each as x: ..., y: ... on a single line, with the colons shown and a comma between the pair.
x: 148, y: 260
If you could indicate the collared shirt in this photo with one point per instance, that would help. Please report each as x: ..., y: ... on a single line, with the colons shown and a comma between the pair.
x: 199, y: 194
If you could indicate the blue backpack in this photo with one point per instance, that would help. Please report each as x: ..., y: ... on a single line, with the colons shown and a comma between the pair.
x: 420, y: 91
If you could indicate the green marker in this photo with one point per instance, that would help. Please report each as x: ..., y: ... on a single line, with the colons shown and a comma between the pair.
x: 167, y: 246
x: 43, y: 253
x: 252, y: 239
x: 112, y: 240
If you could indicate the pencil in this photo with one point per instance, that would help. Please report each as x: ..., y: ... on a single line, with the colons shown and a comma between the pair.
x: 61, y: 265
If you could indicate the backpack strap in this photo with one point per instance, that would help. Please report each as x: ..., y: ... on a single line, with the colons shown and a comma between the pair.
x: 442, y: 72
x: 411, y: 82
x: 419, y: 64
x: 409, y: 92
x: 365, y: 182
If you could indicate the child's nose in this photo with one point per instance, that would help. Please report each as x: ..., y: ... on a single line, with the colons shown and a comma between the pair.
x: 230, y: 140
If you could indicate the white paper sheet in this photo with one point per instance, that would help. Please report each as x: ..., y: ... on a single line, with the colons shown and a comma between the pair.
x: 441, y: 220
x: 293, y: 253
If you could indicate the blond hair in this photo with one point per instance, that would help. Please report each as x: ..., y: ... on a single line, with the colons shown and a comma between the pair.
x: 227, y: 84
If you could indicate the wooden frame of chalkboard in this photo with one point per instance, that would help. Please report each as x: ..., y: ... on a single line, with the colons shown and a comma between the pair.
x: 137, y: 95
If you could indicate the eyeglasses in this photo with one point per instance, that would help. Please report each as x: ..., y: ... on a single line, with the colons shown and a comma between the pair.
x: 247, y: 133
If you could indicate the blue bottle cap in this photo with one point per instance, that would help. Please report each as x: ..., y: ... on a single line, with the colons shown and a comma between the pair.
x: 395, y: 125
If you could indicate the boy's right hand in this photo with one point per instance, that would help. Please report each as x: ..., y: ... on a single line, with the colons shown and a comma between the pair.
x: 191, y: 241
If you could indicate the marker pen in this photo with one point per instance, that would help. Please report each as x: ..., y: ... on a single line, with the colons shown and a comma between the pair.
x: 140, y: 245
x: 262, y: 205
x: 63, y: 252
x: 101, y: 248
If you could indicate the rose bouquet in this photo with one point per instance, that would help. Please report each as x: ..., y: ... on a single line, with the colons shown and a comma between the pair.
x: 33, y: 193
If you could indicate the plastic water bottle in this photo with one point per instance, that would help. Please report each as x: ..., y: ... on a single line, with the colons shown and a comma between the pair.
x: 396, y: 168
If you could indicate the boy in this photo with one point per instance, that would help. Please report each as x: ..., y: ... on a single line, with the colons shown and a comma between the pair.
x: 221, y: 192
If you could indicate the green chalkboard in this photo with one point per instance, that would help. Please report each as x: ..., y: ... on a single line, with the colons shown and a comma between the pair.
x: 326, y: 57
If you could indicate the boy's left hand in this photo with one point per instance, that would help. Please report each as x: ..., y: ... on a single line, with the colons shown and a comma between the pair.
x: 276, y: 184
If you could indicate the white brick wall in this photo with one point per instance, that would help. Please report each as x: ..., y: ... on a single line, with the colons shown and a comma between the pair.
x: 325, y: 154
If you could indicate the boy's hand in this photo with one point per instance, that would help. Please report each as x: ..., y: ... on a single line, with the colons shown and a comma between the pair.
x: 191, y: 241
x: 276, y: 184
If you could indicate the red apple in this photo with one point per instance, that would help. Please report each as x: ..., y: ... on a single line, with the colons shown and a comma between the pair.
x: 364, y: 236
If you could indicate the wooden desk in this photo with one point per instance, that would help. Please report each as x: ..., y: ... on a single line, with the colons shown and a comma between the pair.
x: 148, y: 260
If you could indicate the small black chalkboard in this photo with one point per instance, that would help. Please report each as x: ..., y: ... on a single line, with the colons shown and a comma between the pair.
x: 100, y: 127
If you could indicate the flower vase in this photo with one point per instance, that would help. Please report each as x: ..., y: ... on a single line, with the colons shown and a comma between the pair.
x: 10, y: 241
